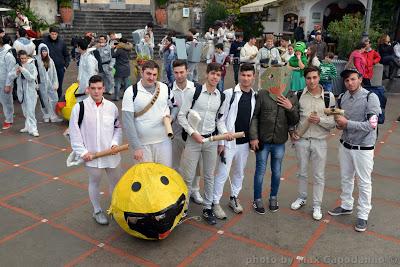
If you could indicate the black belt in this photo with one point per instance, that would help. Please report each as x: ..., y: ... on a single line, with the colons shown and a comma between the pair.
x: 348, y: 146
x: 103, y: 63
x: 207, y: 135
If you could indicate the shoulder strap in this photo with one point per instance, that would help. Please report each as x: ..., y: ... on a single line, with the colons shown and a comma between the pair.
x: 368, y: 95
x: 149, y: 105
x: 134, y: 89
x: 327, y: 99
x: 299, y: 94
x: 81, y: 113
x: 222, y: 99
x: 232, y: 99
x: 197, y: 93
x: 339, y: 100
x: 37, y: 68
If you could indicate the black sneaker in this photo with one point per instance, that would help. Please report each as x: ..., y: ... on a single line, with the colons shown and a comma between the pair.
x: 361, y: 225
x: 398, y: 119
x: 273, y: 204
x: 258, y: 206
x: 339, y: 211
x: 209, y: 216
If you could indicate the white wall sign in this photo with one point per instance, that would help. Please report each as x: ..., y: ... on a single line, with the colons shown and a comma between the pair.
x: 185, y: 12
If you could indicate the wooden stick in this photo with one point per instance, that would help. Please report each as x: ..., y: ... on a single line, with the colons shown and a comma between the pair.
x: 110, y: 151
x: 168, y: 127
x: 223, y: 137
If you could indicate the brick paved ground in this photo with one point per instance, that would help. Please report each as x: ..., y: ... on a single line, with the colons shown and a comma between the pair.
x: 45, y: 213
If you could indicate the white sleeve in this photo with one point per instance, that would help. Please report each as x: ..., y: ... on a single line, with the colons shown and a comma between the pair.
x: 77, y: 144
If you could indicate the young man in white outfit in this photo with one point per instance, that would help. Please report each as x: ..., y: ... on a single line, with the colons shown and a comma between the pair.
x: 238, y: 111
x: 312, y: 147
x: 180, y: 86
x: 356, y: 151
x: 207, y: 105
x: 249, y: 52
x: 142, y: 117
x: 98, y: 130
x: 88, y: 66
x: 7, y: 63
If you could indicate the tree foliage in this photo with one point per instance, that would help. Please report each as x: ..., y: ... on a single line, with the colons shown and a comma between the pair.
x: 384, y: 14
x: 348, y: 33
x: 214, y: 11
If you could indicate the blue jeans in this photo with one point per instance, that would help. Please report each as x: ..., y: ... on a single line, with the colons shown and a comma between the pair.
x: 327, y: 85
x: 120, y: 83
x: 220, y: 85
x: 277, y: 152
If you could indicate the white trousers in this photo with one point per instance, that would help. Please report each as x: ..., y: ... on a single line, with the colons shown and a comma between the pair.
x: 360, y: 163
x: 50, y: 99
x: 178, y: 145
x: 193, y: 74
x: 158, y: 153
x: 6, y: 101
x: 28, y: 109
x: 190, y: 159
x: 236, y: 160
x: 95, y: 174
x: 312, y: 151
x: 108, y: 78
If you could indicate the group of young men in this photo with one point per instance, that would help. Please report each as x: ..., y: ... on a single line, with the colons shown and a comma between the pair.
x: 267, y: 124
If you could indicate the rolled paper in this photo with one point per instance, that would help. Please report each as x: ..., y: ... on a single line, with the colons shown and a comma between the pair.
x: 334, y: 111
x: 168, y: 127
x: 223, y: 137
x: 301, y: 131
x: 110, y: 151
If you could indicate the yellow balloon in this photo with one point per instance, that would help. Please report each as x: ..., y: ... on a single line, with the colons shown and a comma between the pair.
x: 70, y: 101
x: 149, y: 200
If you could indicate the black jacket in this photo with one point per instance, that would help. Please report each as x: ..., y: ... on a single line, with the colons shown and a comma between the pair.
x: 121, y: 55
x: 58, y: 51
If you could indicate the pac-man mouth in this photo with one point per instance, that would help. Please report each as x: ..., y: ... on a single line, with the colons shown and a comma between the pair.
x: 155, y: 225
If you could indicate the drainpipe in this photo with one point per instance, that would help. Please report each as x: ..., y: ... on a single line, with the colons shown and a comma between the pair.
x: 368, y: 12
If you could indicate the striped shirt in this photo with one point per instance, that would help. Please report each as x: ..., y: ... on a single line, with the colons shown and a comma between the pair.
x: 328, y: 71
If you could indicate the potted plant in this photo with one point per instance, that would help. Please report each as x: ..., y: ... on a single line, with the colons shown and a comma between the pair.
x: 65, y: 7
x: 161, y: 12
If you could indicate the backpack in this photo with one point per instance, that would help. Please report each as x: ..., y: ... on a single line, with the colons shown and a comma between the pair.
x: 327, y: 97
x: 197, y: 92
x: 380, y: 92
x: 82, y: 113
x: 135, y: 91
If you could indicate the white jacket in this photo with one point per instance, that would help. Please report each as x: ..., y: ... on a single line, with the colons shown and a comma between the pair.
x: 230, y: 113
x: 88, y: 67
x: 100, y: 130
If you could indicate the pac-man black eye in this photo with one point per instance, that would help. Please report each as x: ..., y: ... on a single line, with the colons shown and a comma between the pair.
x: 136, y: 186
x: 164, y: 180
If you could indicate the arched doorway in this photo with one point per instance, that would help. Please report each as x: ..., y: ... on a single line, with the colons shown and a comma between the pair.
x: 290, y: 22
x: 336, y: 11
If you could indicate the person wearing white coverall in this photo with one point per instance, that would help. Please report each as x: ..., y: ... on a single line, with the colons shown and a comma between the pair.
x: 48, y: 84
x: 7, y: 63
x: 88, y: 67
x: 108, y: 63
x: 26, y: 90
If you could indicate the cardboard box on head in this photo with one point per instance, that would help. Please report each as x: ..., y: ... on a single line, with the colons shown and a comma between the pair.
x: 194, y: 52
x: 276, y: 80
x: 137, y: 36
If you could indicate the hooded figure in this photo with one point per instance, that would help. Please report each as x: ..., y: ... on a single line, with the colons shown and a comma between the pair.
x: 122, y: 68
x: 48, y: 83
x: 26, y: 75
x: 7, y: 62
x: 88, y: 66
x: 298, y: 62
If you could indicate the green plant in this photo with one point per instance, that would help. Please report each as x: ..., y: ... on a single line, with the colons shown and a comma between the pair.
x: 214, y: 11
x: 38, y: 23
x: 65, y: 3
x: 348, y: 33
x: 249, y: 25
x: 161, y: 2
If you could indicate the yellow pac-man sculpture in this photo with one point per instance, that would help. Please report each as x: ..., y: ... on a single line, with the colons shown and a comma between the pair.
x: 149, y: 200
x: 64, y: 109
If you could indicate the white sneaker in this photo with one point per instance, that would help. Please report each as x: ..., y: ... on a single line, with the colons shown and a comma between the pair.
x: 196, y: 197
x: 23, y: 130
x: 35, y: 134
x: 56, y: 119
x: 317, y: 213
x: 235, y: 205
x: 219, y: 212
x: 298, y: 204
x: 46, y: 119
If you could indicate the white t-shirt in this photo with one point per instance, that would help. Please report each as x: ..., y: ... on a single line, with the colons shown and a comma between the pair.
x: 149, y: 126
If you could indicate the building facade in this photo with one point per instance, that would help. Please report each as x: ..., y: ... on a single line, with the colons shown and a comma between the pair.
x: 282, y: 17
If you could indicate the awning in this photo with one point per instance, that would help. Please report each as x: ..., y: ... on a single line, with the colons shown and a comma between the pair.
x: 256, y: 6
x: 2, y: 9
